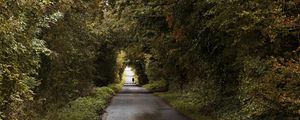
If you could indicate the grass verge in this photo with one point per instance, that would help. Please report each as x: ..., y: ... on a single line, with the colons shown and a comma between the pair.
x: 184, y: 104
x: 86, y: 108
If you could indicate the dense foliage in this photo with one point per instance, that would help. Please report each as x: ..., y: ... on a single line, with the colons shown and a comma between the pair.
x: 51, y: 53
x: 20, y: 51
x: 233, y: 59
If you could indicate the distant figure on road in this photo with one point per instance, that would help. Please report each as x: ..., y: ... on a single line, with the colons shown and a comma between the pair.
x: 132, y: 79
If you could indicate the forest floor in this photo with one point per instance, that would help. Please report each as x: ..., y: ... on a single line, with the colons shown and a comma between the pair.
x: 137, y: 103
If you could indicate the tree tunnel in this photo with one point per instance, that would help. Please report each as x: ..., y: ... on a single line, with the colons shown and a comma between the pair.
x: 231, y: 59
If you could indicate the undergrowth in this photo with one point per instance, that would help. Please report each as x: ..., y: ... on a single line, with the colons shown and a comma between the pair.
x: 157, y: 86
x: 85, y: 108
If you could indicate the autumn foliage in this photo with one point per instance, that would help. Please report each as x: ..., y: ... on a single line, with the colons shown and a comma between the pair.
x: 229, y: 59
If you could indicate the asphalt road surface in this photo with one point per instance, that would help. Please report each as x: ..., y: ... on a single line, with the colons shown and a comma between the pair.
x: 136, y: 103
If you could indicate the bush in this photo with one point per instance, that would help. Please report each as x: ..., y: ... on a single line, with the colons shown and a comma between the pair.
x: 185, y: 103
x: 157, y: 86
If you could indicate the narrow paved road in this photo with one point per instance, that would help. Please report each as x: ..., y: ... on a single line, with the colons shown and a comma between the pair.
x: 136, y: 103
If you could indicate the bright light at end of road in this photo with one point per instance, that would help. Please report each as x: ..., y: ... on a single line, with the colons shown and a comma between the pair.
x: 128, y: 71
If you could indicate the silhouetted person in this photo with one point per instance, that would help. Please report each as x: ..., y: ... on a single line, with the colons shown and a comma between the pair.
x: 132, y: 79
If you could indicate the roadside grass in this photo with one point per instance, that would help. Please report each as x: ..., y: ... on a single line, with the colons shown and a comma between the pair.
x: 86, y: 108
x: 184, y: 104
x: 157, y: 86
